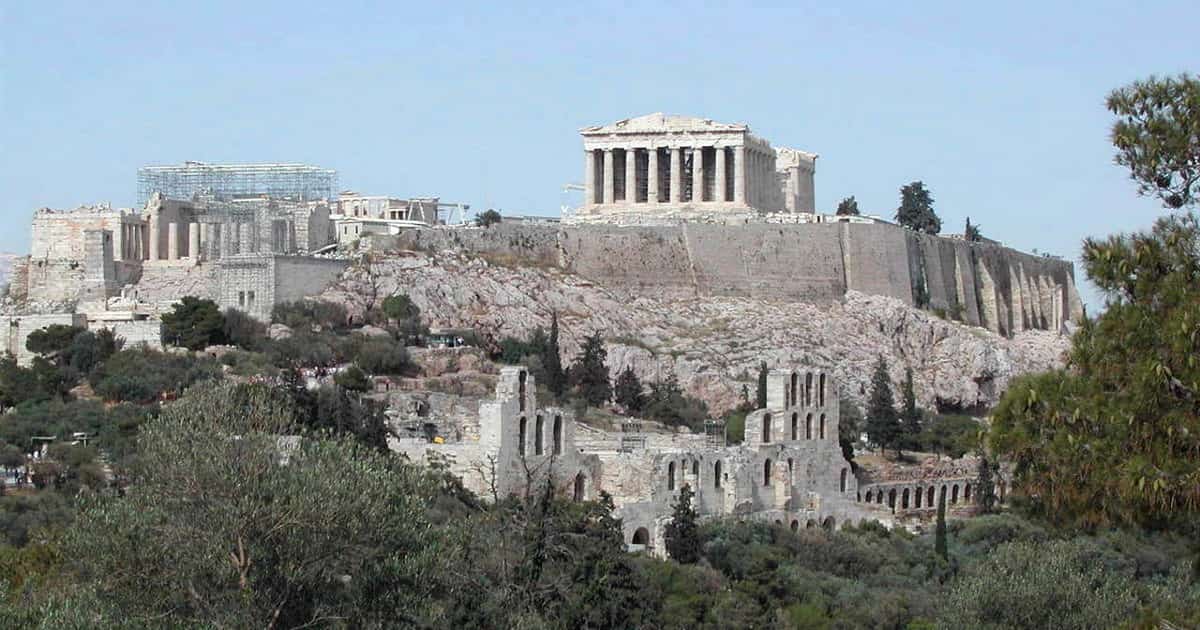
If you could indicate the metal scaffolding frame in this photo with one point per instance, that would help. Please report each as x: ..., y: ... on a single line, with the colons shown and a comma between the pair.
x: 230, y: 181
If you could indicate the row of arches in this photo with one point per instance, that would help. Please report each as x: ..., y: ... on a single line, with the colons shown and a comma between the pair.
x: 539, y: 436
x: 926, y: 497
x: 797, y: 394
x: 767, y: 428
x: 673, y: 470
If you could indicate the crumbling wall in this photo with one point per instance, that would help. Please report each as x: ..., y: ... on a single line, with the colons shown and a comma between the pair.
x: 163, y: 282
x: 15, y: 329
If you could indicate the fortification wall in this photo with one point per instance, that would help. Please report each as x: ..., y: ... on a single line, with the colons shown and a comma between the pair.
x: 15, y: 329
x: 298, y: 276
x: 163, y: 282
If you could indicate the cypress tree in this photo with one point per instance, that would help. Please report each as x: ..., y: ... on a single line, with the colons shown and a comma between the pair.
x: 883, y: 424
x: 628, y: 391
x: 910, y: 415
x: 556, y: 379
x: 985, y: 489
x: 682, y: 534
x: 939, y: 540
x: 762, y: 386
x: 916, y: 209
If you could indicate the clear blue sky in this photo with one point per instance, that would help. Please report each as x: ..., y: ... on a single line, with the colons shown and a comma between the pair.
x: 997, y: 107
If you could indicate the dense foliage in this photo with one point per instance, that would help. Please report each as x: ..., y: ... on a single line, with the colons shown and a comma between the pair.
x: 883, y: 423
x: 916, y: 209
x: 193, y: 323
x: 1157, y: 136
x: 847, y: 207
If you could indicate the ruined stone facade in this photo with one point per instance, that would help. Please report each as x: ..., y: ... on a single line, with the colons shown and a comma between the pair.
x: 790, y: 469
x: 656, y: 162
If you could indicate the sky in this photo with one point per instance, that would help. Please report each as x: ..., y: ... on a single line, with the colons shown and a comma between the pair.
x: 997, y: 107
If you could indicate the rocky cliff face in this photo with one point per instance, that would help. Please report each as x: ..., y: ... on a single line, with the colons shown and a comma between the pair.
x: 712, y: 344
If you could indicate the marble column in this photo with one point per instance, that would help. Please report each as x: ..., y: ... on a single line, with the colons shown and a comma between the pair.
x: 719, y: 180
x: 676, y: 174
x: 630, y: 175
x: 609, y: 195
x: 589, y: 177
x: 154, y: 236
x: 194, y: 241
x: 652, y: 175
x: 739, y: 174
x: 172, y: 241
x: 697, y: 174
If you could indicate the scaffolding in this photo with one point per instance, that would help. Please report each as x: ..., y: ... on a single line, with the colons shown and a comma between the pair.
x: 300, y: 182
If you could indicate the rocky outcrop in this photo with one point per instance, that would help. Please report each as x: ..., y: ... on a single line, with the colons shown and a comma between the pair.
x: 712, y: 344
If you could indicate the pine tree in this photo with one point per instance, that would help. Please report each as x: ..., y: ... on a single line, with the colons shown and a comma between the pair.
x: 883, y: 424
x: 682, y: 534
x: 939, y: 540
x: 589, y: 374
x: 556, y: 379
x: 916, y: 209
x: 972, y: 233
x: 628, y: 391
x: 848, y: 207
x: 910, y: 415
x: 762, y: 386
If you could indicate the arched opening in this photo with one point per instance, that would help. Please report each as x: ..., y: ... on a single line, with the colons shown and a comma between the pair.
x: 929, y: 500
x: 521, y: 389
x: 821, y: 392
x: 822, y: 426
x: 580, y: 487
x: 808, y: 427
x: 942, y: 494
x: 967, y: 492
x: 795, y: 426
x: 778, y: 523
x: 808, y: 389
x: 879, y: 497
x: 954, y: 493
x: 671, y: 476
x: 810, y: 524
x: 869, y: 496
x: 558, y: 435
x: 696, y: 469
x: 904, y: 499
x: 641, y: 537
x: 521, y: 436
x: 917, y: 498
x: 791, y: 469
x: 795, y: 526
x: 845, y: 475
x: 539, y: 428
x: 795, y: 384
x: 767, y: 473
x: 766, y: 429
x: 1000, y: 495
x: 717, y: 474
x: 892, y: 499
x: 829, y: 524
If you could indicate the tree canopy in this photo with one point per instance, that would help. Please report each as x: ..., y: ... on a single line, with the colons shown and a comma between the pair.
x: 848, y: 207
x: 916, y: 209
x: 1157, y: 136
x: 193, y: 323
x: 883, y: 423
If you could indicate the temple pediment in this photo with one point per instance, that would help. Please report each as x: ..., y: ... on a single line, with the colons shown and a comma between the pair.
x: 660, y: 122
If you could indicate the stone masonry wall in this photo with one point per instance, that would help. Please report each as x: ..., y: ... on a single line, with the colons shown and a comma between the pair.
x: 982, y: 284
x: 15, y: 329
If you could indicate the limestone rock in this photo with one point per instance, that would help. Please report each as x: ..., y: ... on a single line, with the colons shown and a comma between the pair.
x: 372, y: 331
x: 279, y: 331
x: 713, y: 345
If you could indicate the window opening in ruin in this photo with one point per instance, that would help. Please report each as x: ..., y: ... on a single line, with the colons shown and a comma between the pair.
x: 808, y: 427
x: 539, y: 430
x: 810, y: 524
x: 767, y: 473
x: 249, y: 299
x: 671, y: 476
x: 766, y: 429
x: 795, y: 383
x: 795, y: 526
x: 242, y: 299
x: 904, y: 499
x: 521, y: 437
x: 954, y: 493
x: 808, y: 389
x: 791, y: 467
x: 967, y: 492
x: 892, y: 499
x: 822, y: 426
x: 717, y: 474
x: 558, y: 435
x: 641, y: 537
x: 521, y: 389
x: 795, y: 426
x: 868, y: 496
x: 844, y: 476
x: 879, y: 497
x: 917, y: 502
x: 696, y: 469
x: 829, y: 524
x: 929, y: 496
x: 942, y: 494
x: 580, y: 486
x: 821, y: 391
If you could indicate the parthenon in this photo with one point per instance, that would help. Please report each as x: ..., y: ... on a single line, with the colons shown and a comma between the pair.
x: 658, y: 161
